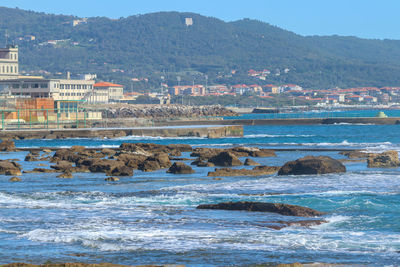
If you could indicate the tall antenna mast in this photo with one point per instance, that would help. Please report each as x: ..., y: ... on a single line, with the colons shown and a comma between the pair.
x: 6, y: 37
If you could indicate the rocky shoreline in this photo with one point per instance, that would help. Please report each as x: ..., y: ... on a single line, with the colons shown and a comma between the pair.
x: 125, y: 160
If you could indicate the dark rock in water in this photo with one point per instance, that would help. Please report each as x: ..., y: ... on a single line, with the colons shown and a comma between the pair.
x: 77, y: 148
x: 180, y: 168
x: 32, y: 157
x: 263, y: 153
x: 15, y: 179
x: 256, y: 171
x: 175, y: 153
x: 112, y: 179
x: 200, y: 163
x: 250, y: 162
x: 7, y: 145
x: 355, y: 154
x: 108, y: 152
x: 387, y: 159
x: 149, y: 166
x: 205, y: 153
x: 284, y: 209
x: 66, y: 175
x: 312, y: 165
x: 132, y: 160
x: 162, y: 159
x: 65, y: 155
x: 41, y: 170
x: 121, y: 171
x: 62, y: 166
x: 179, y: 159
x: 225, y: 159
x: 10, y: 168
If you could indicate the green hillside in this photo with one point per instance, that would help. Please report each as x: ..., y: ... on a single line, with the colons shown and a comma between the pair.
x: 160, y: 44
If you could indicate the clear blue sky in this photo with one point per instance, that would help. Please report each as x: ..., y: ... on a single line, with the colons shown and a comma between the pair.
x: 362, y: 18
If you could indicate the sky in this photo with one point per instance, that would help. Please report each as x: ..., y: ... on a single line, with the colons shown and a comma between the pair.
x: 373, y: 19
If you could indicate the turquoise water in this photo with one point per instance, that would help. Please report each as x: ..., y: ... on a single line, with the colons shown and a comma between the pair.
x: 151, y: 217
x: 321, y: 114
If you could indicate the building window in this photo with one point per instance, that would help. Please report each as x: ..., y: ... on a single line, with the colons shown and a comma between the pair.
x: 61, y: 94
x: 67, y: 86
x: 43, y: 85
x: 8, y: 70
x: 61, y: 86
x: 15, y: 86
x: 25, y: 85
x: 35, y: 85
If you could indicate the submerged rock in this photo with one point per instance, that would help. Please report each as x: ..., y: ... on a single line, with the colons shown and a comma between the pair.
x: 65, y: 175
x: 256, y: 171
x: 112, y: 179
x: 355, y: 154
x: 15, y: 179
x: 312, y: 165
x: 284, y: 209
x: 180, y: 168
x: 387, y: 159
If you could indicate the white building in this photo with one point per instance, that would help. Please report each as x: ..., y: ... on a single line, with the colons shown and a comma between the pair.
x: 9, y: 68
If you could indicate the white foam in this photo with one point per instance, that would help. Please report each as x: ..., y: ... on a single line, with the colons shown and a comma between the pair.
x: 277, y: 135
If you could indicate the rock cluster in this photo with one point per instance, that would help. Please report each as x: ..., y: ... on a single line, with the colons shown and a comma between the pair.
x: 7, y: 145
x: 387, y: 159
x: 165, y: 111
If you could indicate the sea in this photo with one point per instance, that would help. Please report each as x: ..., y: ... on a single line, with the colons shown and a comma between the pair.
x: 151, y: 218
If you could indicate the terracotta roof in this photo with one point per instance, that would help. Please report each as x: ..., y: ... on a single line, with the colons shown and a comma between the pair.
x: 107, y: 84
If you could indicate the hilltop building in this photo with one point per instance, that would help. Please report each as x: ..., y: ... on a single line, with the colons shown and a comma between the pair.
x: 9, y: 68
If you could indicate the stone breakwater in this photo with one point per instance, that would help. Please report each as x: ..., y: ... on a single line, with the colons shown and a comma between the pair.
x: 164, y: 111
x: 209, y: 132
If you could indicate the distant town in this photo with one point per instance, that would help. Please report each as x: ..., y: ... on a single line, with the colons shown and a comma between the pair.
x: 67, y: 93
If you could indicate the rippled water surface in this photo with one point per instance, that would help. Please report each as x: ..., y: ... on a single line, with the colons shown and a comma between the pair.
x: 152, y: 217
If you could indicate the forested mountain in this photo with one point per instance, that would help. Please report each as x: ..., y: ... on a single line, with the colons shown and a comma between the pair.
x: 161, y: 44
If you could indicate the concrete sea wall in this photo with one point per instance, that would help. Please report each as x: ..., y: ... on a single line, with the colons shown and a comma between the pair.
x: 170, y: 131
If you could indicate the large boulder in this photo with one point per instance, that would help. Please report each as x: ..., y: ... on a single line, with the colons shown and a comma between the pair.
x: 284, y: 209
x: 121, y: 171
x: 162, y: 159
x: 149, y: 166
x: 10, y: 168
x: 388, y: 159
x: 62, y: 166
x: 180, y: 168
x: 312, y: 165
x: 225, y: 159
x: 7, y: 145
x: 65, y: 155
